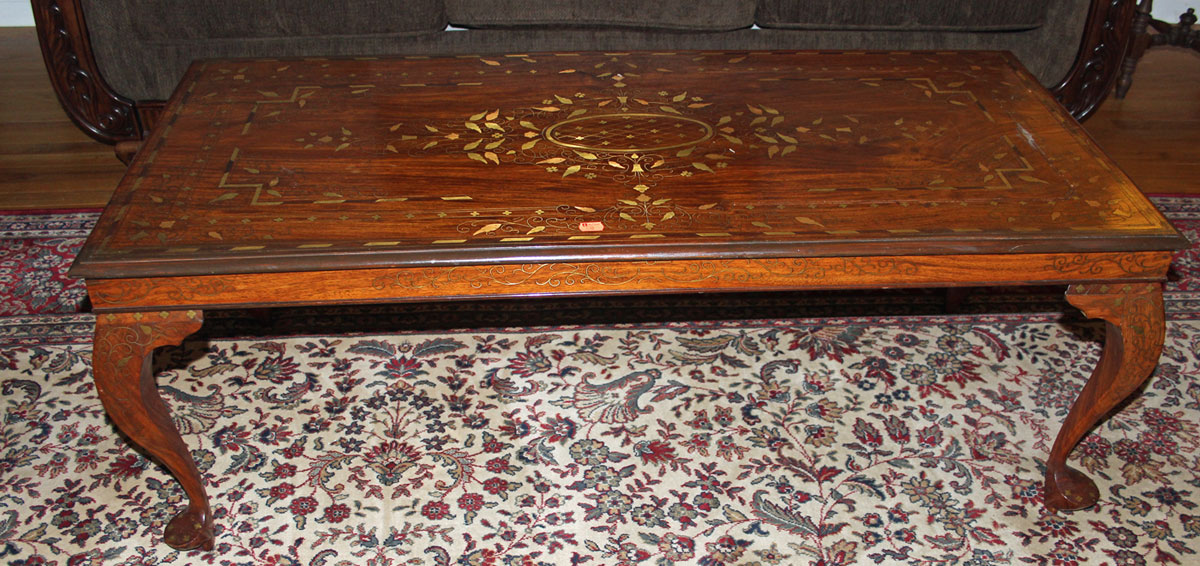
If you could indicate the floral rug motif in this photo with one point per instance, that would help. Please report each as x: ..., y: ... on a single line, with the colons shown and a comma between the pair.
x: 768, y: 442
x: 829, y: 442
x: 35, y: 252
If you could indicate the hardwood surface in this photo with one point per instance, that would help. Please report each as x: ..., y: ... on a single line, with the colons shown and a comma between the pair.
x: 315, y: 164
x: 1133, y: 339
x: 1154, y: 133
x: 46, y: 162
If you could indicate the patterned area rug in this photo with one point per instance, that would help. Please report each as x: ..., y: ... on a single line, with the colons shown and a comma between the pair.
x: 892, y: 436
x: 35, y: 252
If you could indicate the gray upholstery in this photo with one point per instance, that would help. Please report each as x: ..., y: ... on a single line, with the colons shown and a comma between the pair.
x: 147, y: 68
x: 702, y: 15
x: 171, y: 20
x: 925, y: 15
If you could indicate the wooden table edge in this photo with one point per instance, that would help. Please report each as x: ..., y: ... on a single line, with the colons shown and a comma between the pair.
x: 537, y: 279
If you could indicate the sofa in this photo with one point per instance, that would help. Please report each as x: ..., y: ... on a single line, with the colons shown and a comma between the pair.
x: 113, y: 62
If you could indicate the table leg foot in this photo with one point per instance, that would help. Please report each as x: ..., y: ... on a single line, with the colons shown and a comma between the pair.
x: 192, y: 528
x: 122, y: 368
x: 1135, y: 328
x: 1068, y: 489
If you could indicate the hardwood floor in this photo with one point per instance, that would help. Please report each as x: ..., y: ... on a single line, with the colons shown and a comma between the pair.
x: 46, y: 162
x: 1154, y: 133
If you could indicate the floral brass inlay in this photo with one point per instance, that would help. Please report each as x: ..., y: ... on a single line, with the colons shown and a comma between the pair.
x: 628, y: 133
x: 634, y: 139
x: 630, y: 142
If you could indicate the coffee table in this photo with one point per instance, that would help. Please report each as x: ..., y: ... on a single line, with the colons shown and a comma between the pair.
x: 329, y: 181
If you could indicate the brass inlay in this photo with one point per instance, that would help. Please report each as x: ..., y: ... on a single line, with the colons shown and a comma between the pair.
x: 628, y: 132
x: 638, y: 139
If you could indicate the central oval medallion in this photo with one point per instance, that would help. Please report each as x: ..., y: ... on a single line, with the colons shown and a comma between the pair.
x: 628, y: 133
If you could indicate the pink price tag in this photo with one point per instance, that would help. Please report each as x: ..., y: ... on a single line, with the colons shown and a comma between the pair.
x: 591, y: 226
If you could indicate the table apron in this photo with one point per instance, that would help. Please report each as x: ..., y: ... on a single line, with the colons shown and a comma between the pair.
x: 380, y: 285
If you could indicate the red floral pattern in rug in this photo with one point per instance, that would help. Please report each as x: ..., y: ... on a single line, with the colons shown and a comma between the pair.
x: 788, y: 442
x: 830, y: 442
x: 35, y: 252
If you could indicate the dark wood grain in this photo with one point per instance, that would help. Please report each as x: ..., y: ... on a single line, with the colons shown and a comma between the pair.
x: 1139, y: 42
x: 1178, y: 35
x: 88, y: 100
x: 615, y: 278
x: 48, y: 163
x: 125, y: 383
x: 1133, y: 314
x: 1106, y: 38
x: 1153, y: 134
x: 303, y: 165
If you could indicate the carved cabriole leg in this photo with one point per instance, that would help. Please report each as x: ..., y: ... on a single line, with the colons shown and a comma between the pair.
x: 122, y: 364
x: 1133, y: 342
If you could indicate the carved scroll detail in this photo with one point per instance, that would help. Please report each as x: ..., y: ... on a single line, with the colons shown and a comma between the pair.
x: 183, y: 292
x: 1091, y: 264
x: 75, y: 76
x: 1105, y: 41
x: 617, y: 274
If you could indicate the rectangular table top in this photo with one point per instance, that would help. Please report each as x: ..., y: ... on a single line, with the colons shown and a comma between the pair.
x: 317, y: 164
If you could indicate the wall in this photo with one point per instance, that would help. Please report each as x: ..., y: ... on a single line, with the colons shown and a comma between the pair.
x: 15, y: 13
x: 1169, y: 10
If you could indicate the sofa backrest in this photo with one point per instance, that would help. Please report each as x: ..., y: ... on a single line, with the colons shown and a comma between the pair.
x: 909, y: 15
x: 168, y: 20
x: 143, y: 46
x: 693, y: 15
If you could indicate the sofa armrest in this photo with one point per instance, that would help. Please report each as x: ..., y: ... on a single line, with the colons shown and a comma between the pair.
x: 75, y: 76
x: 1105, y: 42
